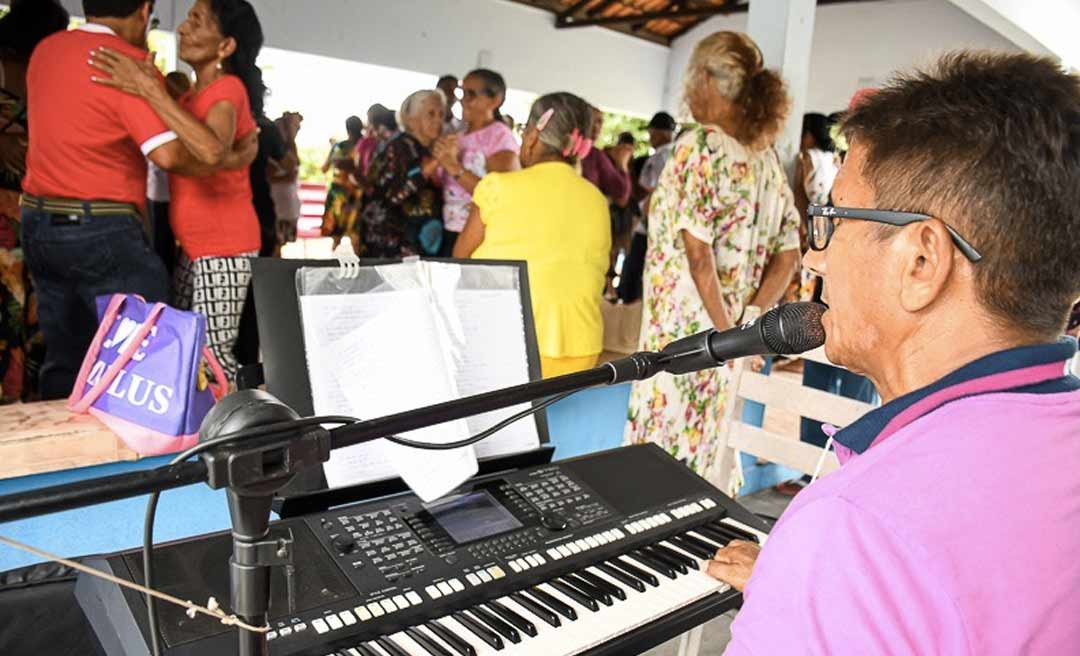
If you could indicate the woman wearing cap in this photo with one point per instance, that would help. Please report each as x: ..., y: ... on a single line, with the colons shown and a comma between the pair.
x: 723, y: 236
x: 551, y: 217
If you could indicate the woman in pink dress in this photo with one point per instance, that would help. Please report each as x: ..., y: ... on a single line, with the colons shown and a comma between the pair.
x: 485, y: 145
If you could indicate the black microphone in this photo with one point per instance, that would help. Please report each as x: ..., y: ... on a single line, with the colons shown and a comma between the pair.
x: 786, y: 329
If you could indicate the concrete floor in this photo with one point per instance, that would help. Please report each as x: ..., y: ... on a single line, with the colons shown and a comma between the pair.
x: 718, y: 631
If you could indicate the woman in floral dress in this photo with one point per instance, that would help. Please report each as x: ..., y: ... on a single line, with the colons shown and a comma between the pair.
x: 723, y: 236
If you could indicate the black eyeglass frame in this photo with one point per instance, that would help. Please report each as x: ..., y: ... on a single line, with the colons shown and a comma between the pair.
x: 889, y: 217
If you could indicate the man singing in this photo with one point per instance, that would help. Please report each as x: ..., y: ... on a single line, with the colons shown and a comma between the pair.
x: 85, y: 184
x: 953, y: 526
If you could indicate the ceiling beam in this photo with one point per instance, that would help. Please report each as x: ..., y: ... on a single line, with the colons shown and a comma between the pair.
x: 684, y: 12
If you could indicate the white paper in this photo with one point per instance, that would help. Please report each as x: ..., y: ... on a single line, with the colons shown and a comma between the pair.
x: 375, y: 353
x: 399, y: 378
x: 494, y: 357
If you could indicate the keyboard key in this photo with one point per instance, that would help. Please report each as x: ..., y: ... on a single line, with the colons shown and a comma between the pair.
x: 320, y: 626
x: 414, y: 598
x: 333, y: 622
x: 672, y: 560
x: 652, y: 563
x: 433, y: 591
x: 633, y: 570
x: 565, y: 551
x: 449, y: 637
x: 514, y: 566
x: 738, y: 533
x: 601, y: 584
x: 517, y: 621
x: 427, y: 642
x: 473, y: 579
x: 401, y: 602
x: 575, y: 594
x: 496, y: 572
x: 496, y: 624
x: 551, y: 602
x: 376, y: 609
x: 456, y: 585
x: 388, y: 606
x: 391, y: 647
x: 554, y: 554
x: 479, y: 630
x: 364, y: 650
x: 347, y: 617
x: 537, y: 609
x: 484, y: 576
x: 694, y: 546
x: 444, y: 588
x: 588, y: 588
x: 363, y: 613
x: 622, y: 577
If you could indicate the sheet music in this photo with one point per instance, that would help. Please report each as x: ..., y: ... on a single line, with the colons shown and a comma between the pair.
x: 462, y: 341
x: 493, y: 329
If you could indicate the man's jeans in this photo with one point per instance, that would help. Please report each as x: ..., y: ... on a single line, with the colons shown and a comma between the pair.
x: 74, y: 259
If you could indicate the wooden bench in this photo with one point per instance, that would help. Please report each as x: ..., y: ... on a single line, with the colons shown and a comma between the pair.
x: 36, y: 438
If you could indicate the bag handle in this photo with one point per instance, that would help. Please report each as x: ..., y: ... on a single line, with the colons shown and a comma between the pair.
x: 81, y: 405
x: 221, y: 388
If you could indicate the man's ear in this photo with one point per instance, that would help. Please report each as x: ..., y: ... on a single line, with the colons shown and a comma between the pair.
x: 927, y: 263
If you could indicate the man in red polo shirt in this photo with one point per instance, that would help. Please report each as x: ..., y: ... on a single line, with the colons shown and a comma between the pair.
x: 86, y: 183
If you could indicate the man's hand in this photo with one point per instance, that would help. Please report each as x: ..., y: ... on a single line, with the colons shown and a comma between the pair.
x: 734, y: 563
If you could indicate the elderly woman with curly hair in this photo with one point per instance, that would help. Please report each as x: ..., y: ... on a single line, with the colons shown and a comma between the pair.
x: 723, y: 237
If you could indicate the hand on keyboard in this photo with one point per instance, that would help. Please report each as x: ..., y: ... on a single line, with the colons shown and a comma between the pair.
x: 734, y: 563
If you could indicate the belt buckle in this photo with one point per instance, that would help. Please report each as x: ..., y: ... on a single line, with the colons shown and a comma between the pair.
x: 66, y: 219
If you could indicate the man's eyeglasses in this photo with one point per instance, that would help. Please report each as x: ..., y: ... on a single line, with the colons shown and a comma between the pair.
x: 820, y: 225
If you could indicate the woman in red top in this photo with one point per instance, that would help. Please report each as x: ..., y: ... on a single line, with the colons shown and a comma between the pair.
x: 211, y: 215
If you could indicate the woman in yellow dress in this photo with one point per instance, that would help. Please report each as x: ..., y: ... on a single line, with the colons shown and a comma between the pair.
x: 555, y: 220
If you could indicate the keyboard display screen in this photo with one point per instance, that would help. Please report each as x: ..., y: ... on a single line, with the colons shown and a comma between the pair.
x: 473, y: 516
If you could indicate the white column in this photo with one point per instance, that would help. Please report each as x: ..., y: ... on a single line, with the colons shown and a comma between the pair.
x: 784, y: 29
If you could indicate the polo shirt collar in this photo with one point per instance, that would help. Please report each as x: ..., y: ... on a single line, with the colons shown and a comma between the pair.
x: 96, y: 28
x: 1036, y: 369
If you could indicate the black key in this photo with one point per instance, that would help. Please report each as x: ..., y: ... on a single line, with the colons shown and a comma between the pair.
x: 499, y: 626
x: 653, y: 563
x: 606, y: 586
x: 681, y: 562
x: 635, y: 571
x: 707, y: 550
x: 391, y: 647
x: 737, y: 532
x: 538, y: 609
x: 714, y: 535
x: 588, y: 588
x: 551, y: 602
x: 622, y: 577
x: 451, y: 638
x: 575, y: 594
x: 365, y: 650
x: 522, y: 624
x: 425, y: 641
x: 481, y: 631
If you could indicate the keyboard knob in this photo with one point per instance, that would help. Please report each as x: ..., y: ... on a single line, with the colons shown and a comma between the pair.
x: 554, y: 521
x: 344, y: 544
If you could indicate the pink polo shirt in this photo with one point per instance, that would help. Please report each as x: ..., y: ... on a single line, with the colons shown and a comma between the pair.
x: 953, y: 526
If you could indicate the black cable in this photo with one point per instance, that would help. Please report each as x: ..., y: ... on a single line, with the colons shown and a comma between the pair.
x: 151, y: 503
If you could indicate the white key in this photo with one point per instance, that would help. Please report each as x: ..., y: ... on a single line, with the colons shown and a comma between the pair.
x: 456, y: 585
x: 408, y: 644
x: 444, y: 587
x: 679, y: 550
x: 352, y: 652
x: 554, y: 554
x: 401, y: 602
x: 414, y: 598
x: 583, y: 545
x: 534, y: 560
x: 592, y: 542
x: 473, y: 579
x: 737, y: 524
x: 514, y: 566
x: 434, y: 637
x: 334, y: 622
x: 376, y: 609
x: 574, y: 547
x: 388, y: 606
x: 565, y: 551
x: 434, y: 592
x: 706, y: 540
x: 320, y: 626
x: 376, y: 647
x: 363, y: 613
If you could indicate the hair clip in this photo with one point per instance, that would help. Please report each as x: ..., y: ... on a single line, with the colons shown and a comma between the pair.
x: 579, y: 146
x: 545, y: 119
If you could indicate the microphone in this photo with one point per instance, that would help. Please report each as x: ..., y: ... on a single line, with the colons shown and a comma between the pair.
x: 786, y: 329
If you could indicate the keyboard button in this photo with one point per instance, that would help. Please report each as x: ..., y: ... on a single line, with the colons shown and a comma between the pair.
x: 484, y: 576
x: 473, y: 579
x: 554, y: 554
x: 514, y: 566
x: 320, y: 626
x: 363, y: 613
x: 434, y: 592
x: 456, y: 585
x: 388, y: 606
x: 347, y: 617
x: 272, y: 635
x: 444, y: 587
x: 565, y: 551
x: 285, y: 633
x: 496, y: 572
x: 334, y: 622
x: 376, y: 609
x: 414, y: 598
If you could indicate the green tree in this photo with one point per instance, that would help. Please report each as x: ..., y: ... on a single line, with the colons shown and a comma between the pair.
x: 615, y: 124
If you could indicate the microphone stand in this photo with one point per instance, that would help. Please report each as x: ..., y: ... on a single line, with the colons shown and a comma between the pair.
x: 263, y: 446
